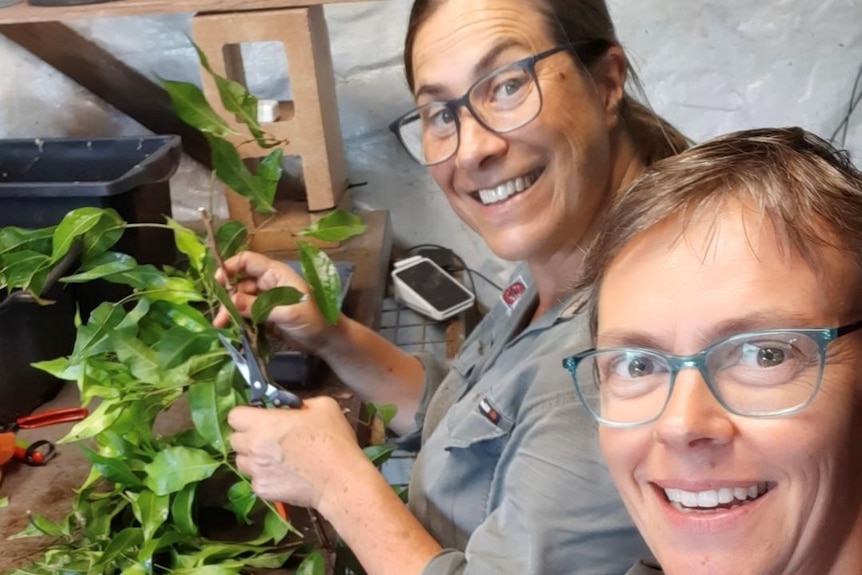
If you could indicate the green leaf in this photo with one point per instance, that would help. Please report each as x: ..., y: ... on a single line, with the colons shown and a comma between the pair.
x: 322, y: 277
x: 385, y: 411
x: 182, y: 510
x: 136, y: 568
x: 48, y: 527
x: 26, y: 269
x: 271, y: 298
x: 181, y: 315
x: 140, y: 358
x: 191, y: 106
x: 92, y: 337
x: 231, y: 238
x: 112, y: 468
x: 150, y: 510
x: 336, y: 226
x: 208, y: 415
x: 178, y: 345
x: 314, y: 564
x: 231, y: 170
x: 189, y: 243
x: 241, y: 499
x: 143, y: 277
x: 177, y: 290
x: 379, y: 454
x: 175, y: 467
x: 209, y: 570
x: 224, y: 299
x: 99, y: 420
x: 104, y: 265
x: 14, y: 239
x: 152, y: 546
x: 269, y: 560
x: 124, y: 542
x: 100, y: 229
x: 269, y: 169
x: 235, y: 99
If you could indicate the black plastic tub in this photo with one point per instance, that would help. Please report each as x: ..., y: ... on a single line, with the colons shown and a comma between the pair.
x: 29, y: 333
x: 41, y: 180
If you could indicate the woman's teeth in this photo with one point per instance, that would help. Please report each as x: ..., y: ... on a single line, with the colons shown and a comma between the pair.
x: 508, y: 189
x: 726, y: 497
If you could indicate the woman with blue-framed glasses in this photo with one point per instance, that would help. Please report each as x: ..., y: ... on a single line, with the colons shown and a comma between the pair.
x: 522, y: 118
x: 725, y: 378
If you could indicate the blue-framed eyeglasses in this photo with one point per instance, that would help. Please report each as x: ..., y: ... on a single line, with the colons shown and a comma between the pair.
x: 502, y: 101
x: 765, y: 373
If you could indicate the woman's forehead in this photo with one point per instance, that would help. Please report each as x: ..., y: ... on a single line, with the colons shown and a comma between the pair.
x: 460, y: 33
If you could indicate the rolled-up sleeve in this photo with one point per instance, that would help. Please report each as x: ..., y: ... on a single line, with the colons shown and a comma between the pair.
x: 435, y: 373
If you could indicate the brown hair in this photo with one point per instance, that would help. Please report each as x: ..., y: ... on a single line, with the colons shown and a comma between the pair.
x: 571, y: 21
x: 807, y: 190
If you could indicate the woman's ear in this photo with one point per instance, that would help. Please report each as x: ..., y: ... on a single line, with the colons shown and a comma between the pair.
x: 609, y: 75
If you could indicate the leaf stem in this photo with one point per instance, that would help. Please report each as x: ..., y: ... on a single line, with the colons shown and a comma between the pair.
x: 211, y: 240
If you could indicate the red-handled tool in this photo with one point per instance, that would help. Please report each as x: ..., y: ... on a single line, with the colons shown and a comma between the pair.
x: 37, y: 453
x: 41, y: 451
x: 44, y: 418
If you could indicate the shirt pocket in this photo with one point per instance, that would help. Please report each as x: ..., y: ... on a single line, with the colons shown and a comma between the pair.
x: 473, y: 449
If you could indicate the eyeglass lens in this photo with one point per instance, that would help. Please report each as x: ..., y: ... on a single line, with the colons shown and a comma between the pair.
x: 751, y: 374
x: 505, y: 100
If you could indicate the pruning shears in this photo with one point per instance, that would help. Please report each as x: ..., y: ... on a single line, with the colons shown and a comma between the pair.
x: 41, y: 451
x: 262, y: 391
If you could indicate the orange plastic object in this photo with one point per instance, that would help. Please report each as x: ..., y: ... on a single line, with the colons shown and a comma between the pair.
x: 7, y: 447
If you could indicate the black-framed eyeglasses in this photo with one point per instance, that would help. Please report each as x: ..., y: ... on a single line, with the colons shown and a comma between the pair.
x: 767, y: 373
x: 503, y: 100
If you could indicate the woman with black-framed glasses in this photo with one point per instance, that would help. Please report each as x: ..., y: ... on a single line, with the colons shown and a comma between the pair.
x: 523, y: 120
x: 725, y: 376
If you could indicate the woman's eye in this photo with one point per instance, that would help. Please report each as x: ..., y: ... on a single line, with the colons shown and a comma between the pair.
x: 634, y: 366
x: 764, y: 355
x: 438, y: 120
x: 508, y: 88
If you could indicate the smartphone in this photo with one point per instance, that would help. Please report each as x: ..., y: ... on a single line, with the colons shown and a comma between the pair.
x: 425, y: 287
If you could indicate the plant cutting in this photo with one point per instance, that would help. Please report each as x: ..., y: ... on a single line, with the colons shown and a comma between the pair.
x: 143, y: 506
x: 191, y: 106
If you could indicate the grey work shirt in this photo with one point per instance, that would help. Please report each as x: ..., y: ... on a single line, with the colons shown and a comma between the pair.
x: 510, y: 478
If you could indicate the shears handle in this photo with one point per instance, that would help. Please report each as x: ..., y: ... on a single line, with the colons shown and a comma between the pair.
x: 51, y: 417
x: 45, y: 418
x: 284, y: 398
x: 37, y: 453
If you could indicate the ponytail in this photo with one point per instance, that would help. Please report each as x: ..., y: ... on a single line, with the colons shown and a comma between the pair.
x: 653, y: 137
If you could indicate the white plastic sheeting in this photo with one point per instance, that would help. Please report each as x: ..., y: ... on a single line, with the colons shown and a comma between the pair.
x: 709, y: 67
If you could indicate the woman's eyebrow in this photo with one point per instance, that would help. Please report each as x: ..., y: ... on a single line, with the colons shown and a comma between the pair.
x: 764, y: 319
x: 485, y: 64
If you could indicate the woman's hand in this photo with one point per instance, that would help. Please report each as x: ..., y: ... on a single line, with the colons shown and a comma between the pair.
x: 303, y: 322
x: 292, y: 455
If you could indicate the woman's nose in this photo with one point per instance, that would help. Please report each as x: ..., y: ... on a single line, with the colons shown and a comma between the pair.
x: 693, y: 418
x: 477, y: 144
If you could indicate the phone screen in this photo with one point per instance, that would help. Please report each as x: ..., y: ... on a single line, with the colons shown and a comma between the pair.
x: 438, y: 289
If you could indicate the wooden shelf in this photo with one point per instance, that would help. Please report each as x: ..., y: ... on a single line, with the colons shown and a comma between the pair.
x: 24, y: 12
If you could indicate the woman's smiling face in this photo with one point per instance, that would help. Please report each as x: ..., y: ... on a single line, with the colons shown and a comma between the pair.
x: 536, y: 190
x: 715, y: 493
